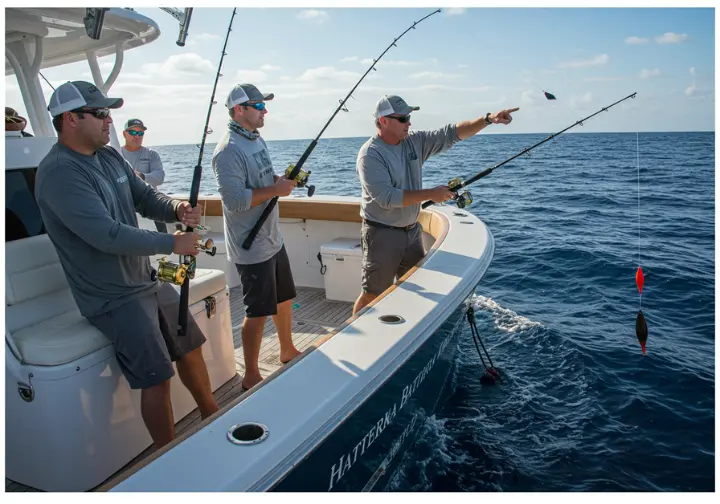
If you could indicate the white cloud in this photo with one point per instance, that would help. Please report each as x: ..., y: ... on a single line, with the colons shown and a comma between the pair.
x: 691, y: 89
x: 455, y: 11
x: 207, y: 36
x: 600, y: 59
x: 400, y: 63
x: 328, y: 74
x: 252, y: 76
x: 270, y: 68
x: 348, y: 59
x: 602, y: 79
x: 649, y: 73
x: 433, y: 75
x: 188, y: 63
x: 581, y: 99
x: 671, y: 38
x: 636, y: 40
x: 462, y: 65
x: 314, y: 16
x: 528, y: 97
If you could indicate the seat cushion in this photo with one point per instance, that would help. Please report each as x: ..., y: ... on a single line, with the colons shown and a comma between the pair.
x: 32, y: 269
x: 59, y: 340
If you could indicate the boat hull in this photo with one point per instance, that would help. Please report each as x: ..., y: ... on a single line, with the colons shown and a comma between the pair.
x: 363, y: 451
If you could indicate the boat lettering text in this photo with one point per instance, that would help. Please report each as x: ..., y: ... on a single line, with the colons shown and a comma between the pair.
x: 343, y: 465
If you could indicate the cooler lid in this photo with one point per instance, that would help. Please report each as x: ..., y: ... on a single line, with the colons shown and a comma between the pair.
x: 343, y: 247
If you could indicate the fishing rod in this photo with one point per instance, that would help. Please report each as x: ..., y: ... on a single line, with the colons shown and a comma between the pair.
x: 465, y: 199
x: 180, y: 274
x: 295, y: 172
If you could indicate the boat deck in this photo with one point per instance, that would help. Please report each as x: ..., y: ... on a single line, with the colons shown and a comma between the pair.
x: 313, y: 318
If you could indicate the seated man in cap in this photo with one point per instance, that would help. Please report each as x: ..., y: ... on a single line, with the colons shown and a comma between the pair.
x: 15, y: 122
x: 246, y: 183
x: 88, y: 195
x: 145, y: 161
x: 390, y: 168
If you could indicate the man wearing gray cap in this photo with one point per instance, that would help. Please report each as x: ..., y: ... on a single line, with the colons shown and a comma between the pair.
x: 88, y: 195
x: 390, y: 168
x: 145, y: 161
x: 246, y: 182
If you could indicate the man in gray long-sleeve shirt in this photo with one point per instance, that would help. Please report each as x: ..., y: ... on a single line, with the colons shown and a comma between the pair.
x: 88, y: 195
x: 246, y: 182
x: 145, y: 161
x: 390, y: 168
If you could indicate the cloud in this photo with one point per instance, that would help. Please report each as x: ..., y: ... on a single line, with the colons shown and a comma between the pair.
x: 636, y: 40
x: 328, y: 74
x: 348, y: 59
x: 434, y: 75
x: 602, y: 79
x: 188, y: 63
x: 462, y: 65
x: 455, y: 11
x: 691, y: 90
x: 400, y: 63
x: 207, y: 36
x: 528, y: 97
x: 270, y: 68
x: 600, y: 59
x: 581, y: 99
x: 314, y: 16
x: 253, y: 76
x: 671, y: 38
x: 648, y: 74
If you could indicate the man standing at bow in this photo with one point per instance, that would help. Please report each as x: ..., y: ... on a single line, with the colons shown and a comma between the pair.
x: 390, y: 168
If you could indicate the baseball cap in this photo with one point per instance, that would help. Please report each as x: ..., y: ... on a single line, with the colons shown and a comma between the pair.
x: 11, y: 116
x: 134, y: 122
x: 246, y: 92
x: 76, y: 94
x: 392, y: 104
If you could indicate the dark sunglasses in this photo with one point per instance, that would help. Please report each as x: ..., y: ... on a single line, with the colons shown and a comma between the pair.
x: 135, y: 133
x: 256, y: 106
x: 99, y: 113
x: 402, y: 119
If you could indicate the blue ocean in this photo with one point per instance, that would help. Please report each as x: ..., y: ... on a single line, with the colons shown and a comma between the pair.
x: 579, y: 408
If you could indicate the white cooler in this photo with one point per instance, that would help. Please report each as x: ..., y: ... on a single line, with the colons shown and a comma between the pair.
x: 342, y: 259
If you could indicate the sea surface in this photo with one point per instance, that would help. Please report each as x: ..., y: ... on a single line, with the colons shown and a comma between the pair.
x: 580, y: 408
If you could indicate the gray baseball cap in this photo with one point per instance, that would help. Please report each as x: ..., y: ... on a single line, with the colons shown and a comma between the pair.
x: 393, y: 105
x: 246, y: 92
x: 76, y: 94
x: 134, y: 122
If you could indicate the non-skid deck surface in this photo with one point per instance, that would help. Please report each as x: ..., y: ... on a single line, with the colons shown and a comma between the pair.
x: 313, y: 318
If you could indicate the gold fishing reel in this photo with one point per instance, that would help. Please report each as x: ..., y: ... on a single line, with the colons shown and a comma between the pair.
x: 175, y: 272
x: 301, y: 178
x: 463, y: 199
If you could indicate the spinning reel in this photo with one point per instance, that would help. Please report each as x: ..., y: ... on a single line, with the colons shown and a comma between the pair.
x: 301, y: 178
x: 463, y: 199
x: 176, y: 273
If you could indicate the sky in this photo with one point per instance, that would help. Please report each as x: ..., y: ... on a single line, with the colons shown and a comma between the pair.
x: 456, y: 65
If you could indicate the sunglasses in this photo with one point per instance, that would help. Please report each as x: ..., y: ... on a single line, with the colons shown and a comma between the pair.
x: 135, y: 133
x: 256, y: 106
x: 403, y: 119
x: 101, y: 113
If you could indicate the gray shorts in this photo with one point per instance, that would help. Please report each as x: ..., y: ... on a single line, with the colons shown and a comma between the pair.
x: 144, y: 334
x: 388, y: 253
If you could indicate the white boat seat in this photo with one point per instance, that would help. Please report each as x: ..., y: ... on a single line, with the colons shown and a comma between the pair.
x: 41, y: 314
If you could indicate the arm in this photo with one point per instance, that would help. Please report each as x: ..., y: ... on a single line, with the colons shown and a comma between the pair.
x: 77, y: 204
x: 466, y: 129
x: 231, y: 175
x: 434, y: 142
x: 149, y: 202
x: 157, y: 173
x: 375, y: 179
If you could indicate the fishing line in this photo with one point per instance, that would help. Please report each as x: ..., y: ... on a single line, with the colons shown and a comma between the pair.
x: 641, y: 329
x: 41, y: 75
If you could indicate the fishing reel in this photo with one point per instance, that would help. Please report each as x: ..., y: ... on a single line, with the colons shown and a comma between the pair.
x: 176, y: 273
x: 301, y: 178
x: 463, y: 199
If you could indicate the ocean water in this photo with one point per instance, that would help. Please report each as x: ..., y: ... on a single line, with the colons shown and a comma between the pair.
x: 580, y: 408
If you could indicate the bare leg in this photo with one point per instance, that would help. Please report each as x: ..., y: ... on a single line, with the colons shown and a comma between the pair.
x: 157, y: 413
x: 362, y: 301
x: 252, y: 339
x: 194, y: 375
x: 283, y: 324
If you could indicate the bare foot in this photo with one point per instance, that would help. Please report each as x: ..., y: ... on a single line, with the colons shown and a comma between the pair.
x: 250, y: 380
x: 287, y: 357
